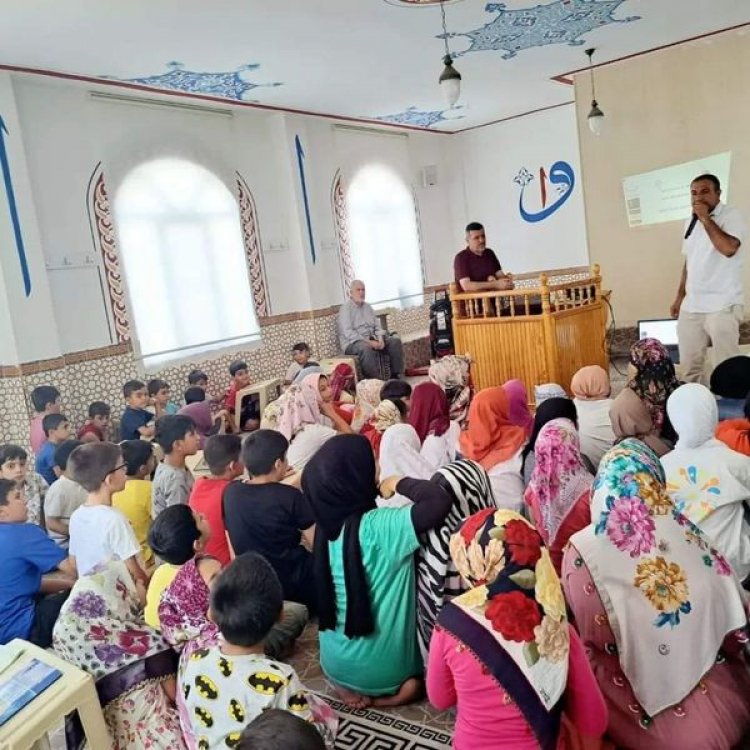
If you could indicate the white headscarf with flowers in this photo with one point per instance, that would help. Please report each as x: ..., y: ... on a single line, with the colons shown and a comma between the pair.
x: 501, y: 549
x: 670, y: 597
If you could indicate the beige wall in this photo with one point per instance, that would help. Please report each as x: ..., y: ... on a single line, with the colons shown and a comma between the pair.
x: 660, y: 109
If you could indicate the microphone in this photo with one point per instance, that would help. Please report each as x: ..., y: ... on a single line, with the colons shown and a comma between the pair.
x: 691, y: 226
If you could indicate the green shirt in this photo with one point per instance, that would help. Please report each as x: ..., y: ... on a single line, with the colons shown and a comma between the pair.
x: 379, y: 663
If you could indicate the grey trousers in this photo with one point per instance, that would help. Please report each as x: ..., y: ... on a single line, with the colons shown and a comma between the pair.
x: 280, y: 641
x: 369, y: 359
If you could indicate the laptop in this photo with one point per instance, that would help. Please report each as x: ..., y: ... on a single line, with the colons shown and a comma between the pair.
x: 664, y: 330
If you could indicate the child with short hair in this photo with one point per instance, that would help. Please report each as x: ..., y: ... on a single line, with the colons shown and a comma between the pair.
x: 29, y: 603
x: 179, y: 536
x: 301, y: 355
x: 46, y: 400
x: 159, y: 392
x: 265, y: 516
x: 173, y: 481
x: 250, y: 416
x: 63, y: 498
x: 199, y: 378
x: 222, y: 454
x: 223, y: 686
x: 96, y: 428
x: 134, y: 501
x: 276, y: 729
x: 198, y: 409
x: 14, y: 465
x: 136, y: 422
x: 99, y: 532
x: 57, y: 430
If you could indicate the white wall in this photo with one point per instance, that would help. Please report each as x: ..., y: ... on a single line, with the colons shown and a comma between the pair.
x: 491, y: 157
x: 66, y: 133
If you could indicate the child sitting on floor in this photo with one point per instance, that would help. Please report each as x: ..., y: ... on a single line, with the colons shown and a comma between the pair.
x: 199, y: 378
x: 136, y: 422
x: 64, y: 497
x: 57, y: 430
x: 222, y: 454
x: 173, y: 481
x: 14, y: 465
x: 273, y: 519
x: 178, y: 537
x: 29, y: 603
x: 198, y: 409
x: 96, y: 427
x: 159, y: 393
x: 99, y: 532
x: 46, y: 400
x: 224, y: 686
x: 301, y: 356
x: 135, y: 500
x: 250, y: 416
x: 275, y: 729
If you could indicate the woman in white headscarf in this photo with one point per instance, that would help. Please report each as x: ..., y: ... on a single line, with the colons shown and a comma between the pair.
x: 708, y: 482
x: 400, y: 457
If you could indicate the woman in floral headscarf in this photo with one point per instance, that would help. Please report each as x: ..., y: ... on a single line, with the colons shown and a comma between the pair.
x: 504, y: 652
x: 452, y: 375
x: 652, y: 379
x: 306, y: 417
x: 661, y: 613
x: 102, y: 631
x: 559, y: 493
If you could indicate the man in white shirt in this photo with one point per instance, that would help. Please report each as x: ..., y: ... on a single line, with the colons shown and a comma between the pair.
x: 360, y: 334
x: 710, y: 299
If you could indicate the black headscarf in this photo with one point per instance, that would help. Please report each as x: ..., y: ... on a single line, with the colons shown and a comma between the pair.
x: 731, y: 379
x: 552, y: 408
x: 339, y: 483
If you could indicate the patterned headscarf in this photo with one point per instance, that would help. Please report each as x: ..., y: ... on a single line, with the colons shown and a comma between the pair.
x: 437, y: 579
x: 342, y: 378
x: 518, y: 405
x: 385, y: 415
x: 670, y: 597
x: 299, y: 405
x: 366, y: 400
x: 654, y: 379
x: 101, y: 628
x: 452, y: 375
x: 517, y: 599
x: 559, y: 477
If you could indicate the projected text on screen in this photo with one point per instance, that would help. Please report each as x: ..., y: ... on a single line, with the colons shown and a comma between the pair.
x: 664, y: 194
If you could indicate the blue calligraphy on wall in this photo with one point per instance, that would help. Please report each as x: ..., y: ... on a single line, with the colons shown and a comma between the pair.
x: 303, y: 181
x: 14, y: 220
x: 555, y: 187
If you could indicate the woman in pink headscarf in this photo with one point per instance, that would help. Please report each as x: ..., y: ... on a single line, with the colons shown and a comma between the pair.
x: 559, y: 493
x: 306, y: 417
x: 518, y: 404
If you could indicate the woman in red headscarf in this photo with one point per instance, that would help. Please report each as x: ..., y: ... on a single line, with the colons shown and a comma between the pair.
x: 429, y: 417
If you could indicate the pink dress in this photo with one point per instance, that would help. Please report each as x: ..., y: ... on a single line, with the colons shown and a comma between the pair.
x: 714, y: 716
x: 487, y: 719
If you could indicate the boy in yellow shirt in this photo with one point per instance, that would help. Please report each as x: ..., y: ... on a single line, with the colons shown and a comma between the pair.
x: 135, y: 500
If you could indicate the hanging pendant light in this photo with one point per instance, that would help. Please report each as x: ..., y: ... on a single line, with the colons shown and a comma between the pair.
x: 596, y: 116
x: 450, y: 78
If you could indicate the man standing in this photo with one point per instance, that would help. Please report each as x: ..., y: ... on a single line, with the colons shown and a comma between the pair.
x: 476, y: 268
x: 360, y: 334
x: 710, y: 299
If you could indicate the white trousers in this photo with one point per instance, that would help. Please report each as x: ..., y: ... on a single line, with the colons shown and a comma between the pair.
x: 694, y: 330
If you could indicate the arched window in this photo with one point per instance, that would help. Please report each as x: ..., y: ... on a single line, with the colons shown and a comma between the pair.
x: 384, y: 237
x: 184, y: 260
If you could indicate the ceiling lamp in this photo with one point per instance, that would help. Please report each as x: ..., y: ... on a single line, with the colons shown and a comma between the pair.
x: 450, y: 78
x: 596, y: 116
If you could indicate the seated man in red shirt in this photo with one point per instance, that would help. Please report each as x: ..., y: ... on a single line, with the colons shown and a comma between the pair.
x: 476, y: 268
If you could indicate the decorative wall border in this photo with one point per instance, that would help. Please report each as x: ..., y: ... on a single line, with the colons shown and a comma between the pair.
x: 253, y: 252
x: 103, y: 235
x: 341, y: 222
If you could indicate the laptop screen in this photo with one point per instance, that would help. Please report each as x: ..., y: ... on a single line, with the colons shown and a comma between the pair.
x: 663, y: 330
